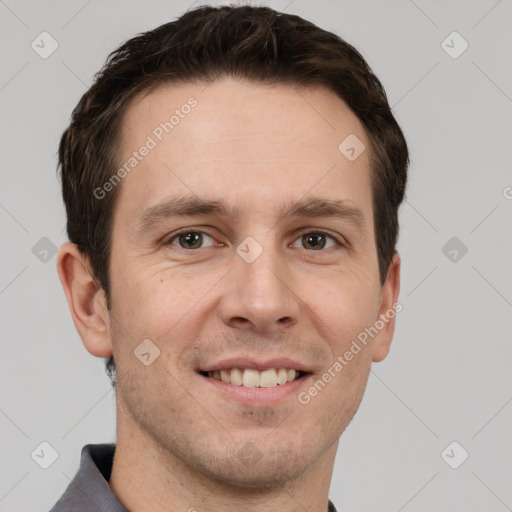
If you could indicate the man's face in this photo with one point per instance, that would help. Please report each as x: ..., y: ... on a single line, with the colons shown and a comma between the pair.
x: 294, y: 295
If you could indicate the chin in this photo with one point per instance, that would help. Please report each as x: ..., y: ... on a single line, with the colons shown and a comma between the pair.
x: 260, y: 475
x: 257, y: 465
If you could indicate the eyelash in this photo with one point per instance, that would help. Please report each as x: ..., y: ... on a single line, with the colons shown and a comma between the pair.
x: 315, y: 231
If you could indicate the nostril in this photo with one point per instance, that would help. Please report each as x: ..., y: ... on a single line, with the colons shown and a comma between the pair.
x: 240, y: 319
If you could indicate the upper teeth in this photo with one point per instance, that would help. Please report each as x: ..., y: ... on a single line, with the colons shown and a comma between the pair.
x: 254, y: 378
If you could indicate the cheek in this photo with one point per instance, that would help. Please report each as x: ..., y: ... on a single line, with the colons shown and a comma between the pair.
x: 151, y: 302
x: 345, y: 308
x: 351, y: 381
x: 334, y: 403
x: 171, y: 310
x: 350, y: 308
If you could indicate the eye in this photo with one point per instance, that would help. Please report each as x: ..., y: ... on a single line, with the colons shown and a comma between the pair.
x: 312, y: 240
x: 189, y: 239
x: 318, y: 240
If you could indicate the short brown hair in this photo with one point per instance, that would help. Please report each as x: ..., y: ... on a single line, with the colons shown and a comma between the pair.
x: 257, y: 44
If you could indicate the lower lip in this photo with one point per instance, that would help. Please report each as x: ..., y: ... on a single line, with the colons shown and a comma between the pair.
x: 252, y: 396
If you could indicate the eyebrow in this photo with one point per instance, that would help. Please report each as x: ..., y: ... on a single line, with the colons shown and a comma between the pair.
x: 191, y: 205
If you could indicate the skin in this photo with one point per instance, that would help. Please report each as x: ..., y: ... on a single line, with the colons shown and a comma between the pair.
x: 177, y: 439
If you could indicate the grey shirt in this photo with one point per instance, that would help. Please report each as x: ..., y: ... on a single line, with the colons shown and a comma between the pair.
x: 89, y: 490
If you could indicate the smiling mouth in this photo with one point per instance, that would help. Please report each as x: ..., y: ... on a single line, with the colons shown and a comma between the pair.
x: 252, y: 378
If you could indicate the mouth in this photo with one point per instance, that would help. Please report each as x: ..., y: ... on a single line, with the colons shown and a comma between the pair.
x: 254, y: 378
x: 253, y: 381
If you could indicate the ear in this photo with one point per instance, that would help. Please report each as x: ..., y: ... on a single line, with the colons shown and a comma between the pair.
x: 86, y: 300
x: 388, y: 309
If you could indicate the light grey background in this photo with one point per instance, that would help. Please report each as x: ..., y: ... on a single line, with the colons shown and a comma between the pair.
x: 448, y: 375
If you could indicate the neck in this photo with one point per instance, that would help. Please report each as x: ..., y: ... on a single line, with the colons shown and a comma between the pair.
x: 148, y: 477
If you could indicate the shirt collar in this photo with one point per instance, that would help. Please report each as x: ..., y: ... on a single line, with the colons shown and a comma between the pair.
x: 89, y: 490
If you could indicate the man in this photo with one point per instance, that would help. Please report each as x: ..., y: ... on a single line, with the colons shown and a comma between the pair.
x: 231, y: 181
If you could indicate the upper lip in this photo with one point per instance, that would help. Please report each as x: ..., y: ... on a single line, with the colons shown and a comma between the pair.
x: 255, y: 364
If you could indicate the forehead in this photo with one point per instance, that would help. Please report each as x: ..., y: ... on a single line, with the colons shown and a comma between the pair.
x: 250, y: 144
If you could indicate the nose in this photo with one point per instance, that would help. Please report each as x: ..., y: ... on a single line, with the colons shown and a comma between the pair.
x: 259, y: 295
